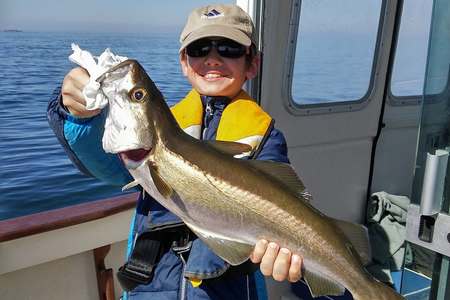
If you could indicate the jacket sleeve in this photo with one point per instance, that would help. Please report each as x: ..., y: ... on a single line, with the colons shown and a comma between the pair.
x: 274, y: 148
x: 81, y: 138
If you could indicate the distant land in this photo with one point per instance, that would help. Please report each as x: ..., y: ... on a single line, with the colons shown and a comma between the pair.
x: 12, y: 30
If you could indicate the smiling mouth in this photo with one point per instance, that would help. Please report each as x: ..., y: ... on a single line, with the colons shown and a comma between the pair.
x: 134, y: 158
x: 214, y: 76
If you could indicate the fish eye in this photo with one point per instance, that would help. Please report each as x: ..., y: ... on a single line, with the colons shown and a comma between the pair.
x: 139, y: 94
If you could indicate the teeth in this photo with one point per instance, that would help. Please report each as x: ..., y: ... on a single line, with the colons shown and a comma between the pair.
x: 212, y: 75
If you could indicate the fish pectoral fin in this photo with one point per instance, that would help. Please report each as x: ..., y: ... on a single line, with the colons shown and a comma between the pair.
x: 358, y: 235
x: 232, y: 251
x: 230, y: 148
x: 284, y: 173
x: 321, y: 286
x: 130, y: 185
x: 163, y: 188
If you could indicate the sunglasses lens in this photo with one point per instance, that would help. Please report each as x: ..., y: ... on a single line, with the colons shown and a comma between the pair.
x: 225, y: 47
x: 199, y: 48
x: 230, y: 49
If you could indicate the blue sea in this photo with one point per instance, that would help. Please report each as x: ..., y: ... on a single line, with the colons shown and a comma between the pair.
x: 36, y: 174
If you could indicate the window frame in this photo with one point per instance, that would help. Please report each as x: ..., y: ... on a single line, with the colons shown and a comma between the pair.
x: 409, y: 100
x: 329, y: 107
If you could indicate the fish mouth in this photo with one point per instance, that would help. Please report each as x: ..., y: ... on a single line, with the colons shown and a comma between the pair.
x: 134, y: 158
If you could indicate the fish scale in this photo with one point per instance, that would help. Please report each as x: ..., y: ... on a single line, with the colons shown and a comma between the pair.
x: 215, y: 188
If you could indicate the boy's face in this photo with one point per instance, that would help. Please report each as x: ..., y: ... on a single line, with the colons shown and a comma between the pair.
x: 214, y: 75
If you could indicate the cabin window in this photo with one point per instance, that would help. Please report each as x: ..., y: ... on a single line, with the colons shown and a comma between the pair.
x: 334, y: 52
x: 411, y: 52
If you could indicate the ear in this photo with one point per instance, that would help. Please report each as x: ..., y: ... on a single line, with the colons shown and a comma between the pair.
x: 253, y: 67
x: 184, y: 63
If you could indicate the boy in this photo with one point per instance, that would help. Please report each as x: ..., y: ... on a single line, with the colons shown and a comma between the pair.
x: 217, y: 55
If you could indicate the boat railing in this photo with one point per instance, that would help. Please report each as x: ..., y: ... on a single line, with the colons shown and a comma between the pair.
x: 82, y: 225
x: 15, y: 228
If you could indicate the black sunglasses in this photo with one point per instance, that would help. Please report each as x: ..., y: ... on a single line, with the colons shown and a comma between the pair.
x: 225, y: 47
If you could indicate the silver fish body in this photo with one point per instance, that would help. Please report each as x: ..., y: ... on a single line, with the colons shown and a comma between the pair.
x: 230, y: 203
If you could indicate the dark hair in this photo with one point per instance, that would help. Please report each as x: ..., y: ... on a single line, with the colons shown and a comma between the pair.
x: 249, y: 57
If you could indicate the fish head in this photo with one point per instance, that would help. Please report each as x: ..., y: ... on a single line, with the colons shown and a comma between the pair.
x: 128, y: 131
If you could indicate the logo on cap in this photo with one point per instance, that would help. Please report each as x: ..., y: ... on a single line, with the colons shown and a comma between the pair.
x: 213, y: 13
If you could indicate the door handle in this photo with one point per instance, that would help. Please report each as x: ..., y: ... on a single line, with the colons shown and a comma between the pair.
x: 433, y: 183
x: 426, y: 225
x: 440, y: 241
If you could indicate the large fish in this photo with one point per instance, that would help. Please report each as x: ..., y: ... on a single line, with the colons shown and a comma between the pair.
x: 230, y: 203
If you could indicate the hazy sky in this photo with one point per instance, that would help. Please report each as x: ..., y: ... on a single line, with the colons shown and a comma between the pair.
x: 97, y: 15
x: 170, y: 15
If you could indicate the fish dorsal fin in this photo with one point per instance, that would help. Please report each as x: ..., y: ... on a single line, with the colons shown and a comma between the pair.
x: 231, y: 148
x: 163, y: 188
x: 358, y: 235
x: 231, y: 251
x: 322, y: 286
x: 284, y: 173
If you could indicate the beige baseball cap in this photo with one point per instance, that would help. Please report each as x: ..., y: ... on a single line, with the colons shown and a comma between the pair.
x: 219, y: 20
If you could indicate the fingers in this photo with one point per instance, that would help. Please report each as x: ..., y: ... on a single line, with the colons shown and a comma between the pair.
x: 74, y: 83
x: 72, y: 92
x: 281, y: 265
x: 258, y: 252
x: 295, y: 269
x: 276, y: 262
x: 268, y: 260
x: 79, y: 110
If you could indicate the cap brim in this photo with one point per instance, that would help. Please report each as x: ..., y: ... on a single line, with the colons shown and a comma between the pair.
x: 219, y: 31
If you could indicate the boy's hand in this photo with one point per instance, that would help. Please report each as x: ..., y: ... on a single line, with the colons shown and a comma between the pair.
x: 276, y: 262
x: 72, y: 93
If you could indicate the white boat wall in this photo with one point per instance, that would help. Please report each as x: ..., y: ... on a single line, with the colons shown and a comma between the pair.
x: 59, y: 254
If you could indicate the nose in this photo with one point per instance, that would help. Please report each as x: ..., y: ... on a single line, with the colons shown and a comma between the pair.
x: 213, y: 58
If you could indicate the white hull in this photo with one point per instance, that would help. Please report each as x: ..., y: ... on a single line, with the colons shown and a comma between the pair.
x: 59, y: 264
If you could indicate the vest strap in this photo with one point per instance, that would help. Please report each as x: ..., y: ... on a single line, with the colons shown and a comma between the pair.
x: 148, y: 250
x: 258, y: 148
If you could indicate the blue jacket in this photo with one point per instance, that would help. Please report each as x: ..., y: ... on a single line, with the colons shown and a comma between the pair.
x: 81, y: 139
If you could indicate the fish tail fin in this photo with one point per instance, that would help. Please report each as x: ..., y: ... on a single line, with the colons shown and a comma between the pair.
x: 376, y: 290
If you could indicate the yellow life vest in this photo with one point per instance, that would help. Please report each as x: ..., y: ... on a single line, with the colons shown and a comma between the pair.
x: 243, y: 120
